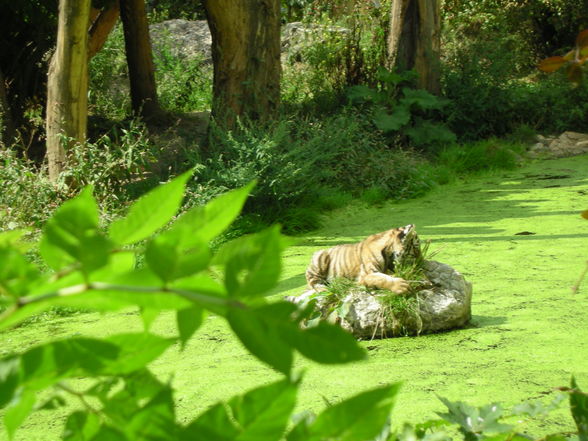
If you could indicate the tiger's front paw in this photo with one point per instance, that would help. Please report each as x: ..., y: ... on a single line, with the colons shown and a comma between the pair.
x: 398, y: 285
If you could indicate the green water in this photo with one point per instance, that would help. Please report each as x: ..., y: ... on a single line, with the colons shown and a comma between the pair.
x: 529, y: 333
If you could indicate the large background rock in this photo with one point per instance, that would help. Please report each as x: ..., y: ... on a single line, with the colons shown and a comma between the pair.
x: 444, y: 305
x: 190, y: 39
x: 184, y: 38
x: 567, y: 144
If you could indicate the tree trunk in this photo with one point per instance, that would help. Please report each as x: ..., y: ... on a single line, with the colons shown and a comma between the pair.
x: 246, y: 57
x: 67, y: 83
x: 139, y: 59
x: 6, y: 122
x: 414, y: 40
x: 101, y: 27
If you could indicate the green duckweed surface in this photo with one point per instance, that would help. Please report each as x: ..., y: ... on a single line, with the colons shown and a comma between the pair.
x: 516, y: 235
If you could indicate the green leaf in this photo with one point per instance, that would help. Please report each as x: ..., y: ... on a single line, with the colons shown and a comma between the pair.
x: 537, y: 408
x: 55, y: 402
x: 108, y: 433
x: 474, y: 420
x: 81, y: 426
x: 71, y: 235
x: 16, y: 273
x: 256, y: 329
x: 264, y: 412
x: 136, y: 350
x: 361, y: 417
x: 422, y: 99
x: 392, y: 122
x: 391, y: 78
x: 258, y: 415
x: 327, y: 344
x: 13, y: 239
x: 302, y: 422
x: 9, y: 373
x: 204, y: 223
x: 361, y: 94
x: 579, y: 408
x: 426, y: 133
x: 213, y: 425
x: 155, y: 420
x: 188, y: 321
x: 148, y: 316
x: 44, y: 365
x: 168, y: 258
x: 252, y: 263
x: 18, y: 410
x: 151, y: 212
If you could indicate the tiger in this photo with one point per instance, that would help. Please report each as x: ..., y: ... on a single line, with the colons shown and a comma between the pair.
x: 369, y: 262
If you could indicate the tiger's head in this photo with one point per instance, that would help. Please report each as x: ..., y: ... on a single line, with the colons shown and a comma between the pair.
x: 401, y: 244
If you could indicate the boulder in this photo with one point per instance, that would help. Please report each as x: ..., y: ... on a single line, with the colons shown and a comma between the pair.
x: 443, y: 304
x: 567, y: 144
x: 184, y: 39
x: 189, y: 39
x: 297, y: 36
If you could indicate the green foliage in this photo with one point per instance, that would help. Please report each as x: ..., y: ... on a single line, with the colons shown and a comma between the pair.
x: 489, y: 67
x: 184, y: 85
x: 116, y: 165
x: 490, y: 154
x: 304, y: 166
x: 340, y: 45
x: 93, y: 271
x: 408, y: 112
x: 109, y: 94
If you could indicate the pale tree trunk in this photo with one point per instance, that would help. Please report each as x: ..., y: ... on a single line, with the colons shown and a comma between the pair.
x: 102, y: 24
x: 414, y: 40
x: 67, y: 84
x: 139, y: 59
x: 246, y: 57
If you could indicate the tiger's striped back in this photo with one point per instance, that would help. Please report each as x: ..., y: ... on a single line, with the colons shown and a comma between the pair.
x: 368, y: 262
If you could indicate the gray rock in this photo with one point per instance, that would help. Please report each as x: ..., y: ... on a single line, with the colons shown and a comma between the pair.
x: 297, y: 36
x: 184, y: 39
x: 567, y: 144
x: 188, y: 39
x: 444, y: 305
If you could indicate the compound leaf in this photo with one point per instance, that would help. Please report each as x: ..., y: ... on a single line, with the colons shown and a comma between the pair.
x: 264, y: 412
x: 150, y: 212
x: 360, y: 417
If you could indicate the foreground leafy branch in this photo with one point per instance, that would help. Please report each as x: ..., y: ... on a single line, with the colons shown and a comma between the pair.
x: 121, y: 399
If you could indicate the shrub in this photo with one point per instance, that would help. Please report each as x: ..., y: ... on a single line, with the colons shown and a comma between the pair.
x: 108, y: 90
x: 306, y: 162
x: 117, y: 165
x: 404, y: 112
x: 184, y: 84
x: 489, y: 70
x: 491, y: 154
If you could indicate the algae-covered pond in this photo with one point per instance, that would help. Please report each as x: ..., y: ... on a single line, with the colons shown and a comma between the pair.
x: 516, y: 235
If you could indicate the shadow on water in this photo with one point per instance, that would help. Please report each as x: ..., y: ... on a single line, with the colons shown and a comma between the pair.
x: 480, y: 203
x: 483, y: 321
